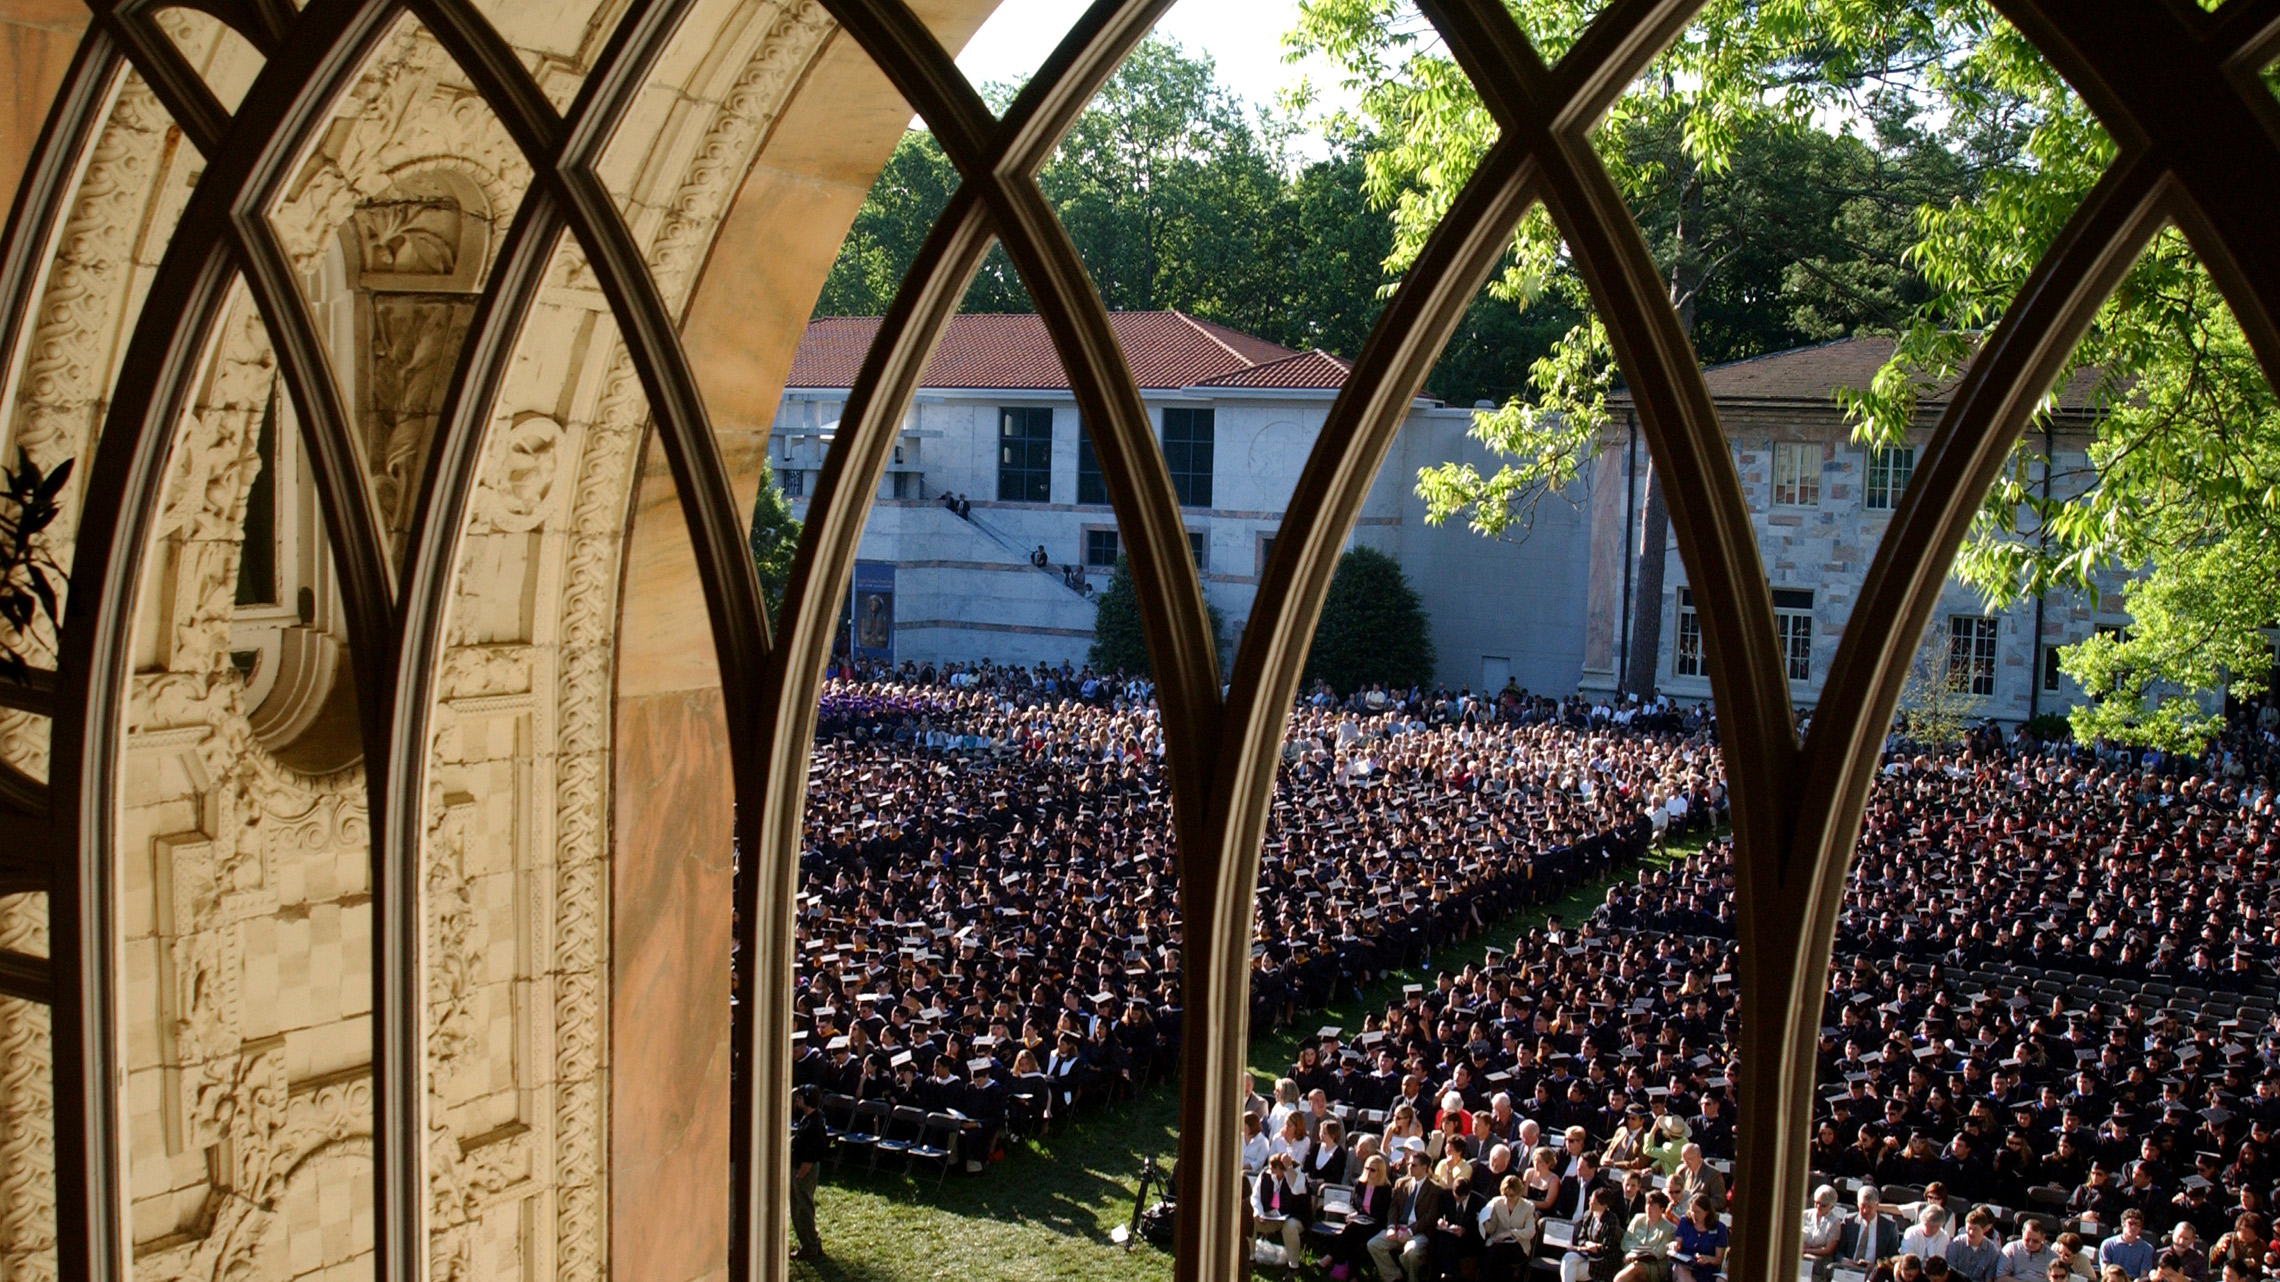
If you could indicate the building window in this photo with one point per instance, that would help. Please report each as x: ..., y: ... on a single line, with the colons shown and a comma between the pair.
x: 1025, y: 455
x: 1971, y: 653
x: 1199, y: 543
x: 2050, y: 673
x: 1101, y: 548
x: 1187, y: 453
x: 1266, y: 544
x: 1793, y: 625
x: 1686, y: 655
x: 1796, y: 473
x: 1090, y: 487
x: 791, y: 482
x: 1889, y: 468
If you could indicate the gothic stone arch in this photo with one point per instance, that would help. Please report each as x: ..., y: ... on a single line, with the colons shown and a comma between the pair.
x: 486, y: 963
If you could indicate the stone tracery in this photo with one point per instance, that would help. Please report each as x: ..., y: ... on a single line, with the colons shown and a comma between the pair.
x: 233, y: 851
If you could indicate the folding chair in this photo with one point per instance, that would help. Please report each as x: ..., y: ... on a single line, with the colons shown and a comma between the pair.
x: 865, y: 1128
x: 937, y: 1142
x: 900, y: 1132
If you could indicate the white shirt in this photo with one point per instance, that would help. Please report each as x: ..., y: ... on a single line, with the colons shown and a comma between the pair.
x: 1255, y: 1154
x: 1916, y: 1242
x: 1823, y: 1229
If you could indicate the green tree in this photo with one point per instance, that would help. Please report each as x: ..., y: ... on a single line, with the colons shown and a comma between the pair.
x: 1330, y: 249
x: 1373, y: 628
x: 1769, y: 229
x: 775, y: 537
x: 910, y: 193
x: 1120, y: 640
x: 1936, y: 705
x: 2181, y: 485
x: 1175, y: 198
x: 1971, y: 129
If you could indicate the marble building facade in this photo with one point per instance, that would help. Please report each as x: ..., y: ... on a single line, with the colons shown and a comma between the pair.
x: 1547, y: 606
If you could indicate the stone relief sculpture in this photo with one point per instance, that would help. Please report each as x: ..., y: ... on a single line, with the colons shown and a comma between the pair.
x: 240, y: 868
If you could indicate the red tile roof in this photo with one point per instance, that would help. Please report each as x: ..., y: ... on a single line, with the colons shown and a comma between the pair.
x: 1165, y: 349
x: 1813, y: 374
x: 1306, y: 369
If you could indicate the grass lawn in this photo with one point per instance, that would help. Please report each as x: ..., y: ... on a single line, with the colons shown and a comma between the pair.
x: 1047, y: 1210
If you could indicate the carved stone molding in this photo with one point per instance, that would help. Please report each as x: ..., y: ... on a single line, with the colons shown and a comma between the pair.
x: 248, y: 879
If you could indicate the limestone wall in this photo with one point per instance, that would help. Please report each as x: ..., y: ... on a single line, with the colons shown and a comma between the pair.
x: 245, y: 876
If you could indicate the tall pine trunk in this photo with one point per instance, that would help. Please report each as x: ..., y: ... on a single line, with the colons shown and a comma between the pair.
x: 1645, y: 654
x: 1647, y: 590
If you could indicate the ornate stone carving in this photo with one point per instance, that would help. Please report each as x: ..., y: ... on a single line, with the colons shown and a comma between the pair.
x: 406, y: 189
x: 409, y: 113
x: 414, y: 238
x: 27, y: 1110
x: 529, y: 456
x: 451, y: 977
x: 795, y: 34
x: 413, y: 343
x: 68, y: 351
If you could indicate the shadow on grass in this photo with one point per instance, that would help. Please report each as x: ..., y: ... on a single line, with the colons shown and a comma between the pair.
x: 835, y: 1269
x: 1078, y: 1181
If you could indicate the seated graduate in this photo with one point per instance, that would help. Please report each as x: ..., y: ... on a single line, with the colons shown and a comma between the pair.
x: 1279, y: 1201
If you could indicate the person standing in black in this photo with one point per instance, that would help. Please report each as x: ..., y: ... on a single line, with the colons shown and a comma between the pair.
x: 811, y: 1143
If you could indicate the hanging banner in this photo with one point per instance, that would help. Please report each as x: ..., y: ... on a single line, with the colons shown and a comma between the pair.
x: 875, y: 611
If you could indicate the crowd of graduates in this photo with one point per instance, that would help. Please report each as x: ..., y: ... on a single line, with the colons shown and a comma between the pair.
x: 2049, y: 1049
x: 2049, y: 1045
x: 988, y: 898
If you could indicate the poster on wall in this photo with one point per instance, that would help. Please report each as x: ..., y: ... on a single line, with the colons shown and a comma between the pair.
x: 875, y: 611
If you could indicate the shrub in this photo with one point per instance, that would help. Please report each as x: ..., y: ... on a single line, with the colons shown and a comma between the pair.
x: 1373, y: 628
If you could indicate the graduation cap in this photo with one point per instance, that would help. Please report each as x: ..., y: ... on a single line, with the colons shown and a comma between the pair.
x: 900, y: 1061
x: 1328, y: 1032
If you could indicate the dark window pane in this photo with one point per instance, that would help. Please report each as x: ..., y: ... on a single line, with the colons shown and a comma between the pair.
x: 1187, y: 454
x: 1025, y: 454
x: 1971, y: 653
x: 1090, y: 487
x: 1101, y: 547
x: 1686, y: 652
